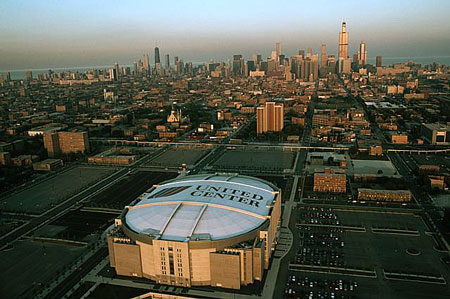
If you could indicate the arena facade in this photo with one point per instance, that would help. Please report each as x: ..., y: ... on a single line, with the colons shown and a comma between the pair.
x: 201, y: 230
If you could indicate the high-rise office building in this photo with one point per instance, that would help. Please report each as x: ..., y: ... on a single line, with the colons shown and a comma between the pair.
x: 29, y: 75
x: 126, y: 71
x: 167, y: 62
x: 257, y: 58
x: 278, y: 49
x: 269, y: 118
x: 146, y: 65
x: 117, y: 69
x: 306, y: 68
x: 8, y: 76
x: 379, y: 61
x: 343, y: 42
x: 113, y: 74
x: 157, y: 59
x: 238, y: 65
x: 362, y: 53
x: 323, y: 56
x: 251, y: 66
x: 344, y: 65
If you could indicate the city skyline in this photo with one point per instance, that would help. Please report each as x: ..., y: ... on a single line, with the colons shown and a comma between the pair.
x: 68, y: 36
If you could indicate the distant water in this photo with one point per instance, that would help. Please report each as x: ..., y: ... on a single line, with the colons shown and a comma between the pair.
x: 21, y: 74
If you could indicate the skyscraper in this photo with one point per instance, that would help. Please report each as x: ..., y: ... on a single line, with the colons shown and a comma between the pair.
x: 278, y: 49
x: 146, y: 64
x: 158, y: 68
x: 362, y: 54
x: 269, y: 118
x: 157, y: 59
x: 8, y: 76
x: 116, y: 67
x: 343, y: 42
x: 167, y: 62
x: 113, y: 74
x: 379, y: 61
x: 238, y: 65
x: 29, y: 75
x: 323, y: 56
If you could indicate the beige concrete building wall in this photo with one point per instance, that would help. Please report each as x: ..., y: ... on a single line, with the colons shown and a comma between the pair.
x: 200, y: 266
x: 111, y: 253
x: 247, y: 265
x: 264, y: 235
x: 171, y: 262
x: 274, y: 223
x: 147, y: 259
x: 258, y: 263
x: 127, y: 259
x: 225, y: 270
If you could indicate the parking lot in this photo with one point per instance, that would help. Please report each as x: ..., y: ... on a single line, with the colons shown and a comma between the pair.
x: 345, y: 254
x: 175, y: 157
x: 38, y: 198
x: 31, y: 263
x: 128, y: 189
x: 255, y: 160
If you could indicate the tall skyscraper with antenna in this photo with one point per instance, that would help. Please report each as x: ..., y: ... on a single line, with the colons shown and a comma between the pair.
x: 344, y: 63
x: 343, y: 42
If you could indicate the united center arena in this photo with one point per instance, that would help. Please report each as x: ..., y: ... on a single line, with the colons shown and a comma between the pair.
x: 201, y: 230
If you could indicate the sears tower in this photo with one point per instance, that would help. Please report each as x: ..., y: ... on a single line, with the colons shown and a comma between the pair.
x: 343, y: 42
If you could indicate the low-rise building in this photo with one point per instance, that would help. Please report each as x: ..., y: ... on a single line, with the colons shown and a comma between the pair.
x: 384, y: 195
x: 48, y: 165
x: 328, y: 180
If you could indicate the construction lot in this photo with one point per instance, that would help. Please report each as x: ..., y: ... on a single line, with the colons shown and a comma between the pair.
x: 39, y: 197
x: 345, y: 253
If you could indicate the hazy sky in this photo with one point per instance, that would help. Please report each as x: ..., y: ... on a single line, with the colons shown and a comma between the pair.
x: 50, y: 33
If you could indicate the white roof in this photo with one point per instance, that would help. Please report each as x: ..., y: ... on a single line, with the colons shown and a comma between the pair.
x: 202, y: 207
